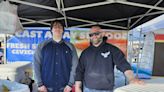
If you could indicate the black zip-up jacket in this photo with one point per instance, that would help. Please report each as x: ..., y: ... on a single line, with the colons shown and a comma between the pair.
x: 96, y: 66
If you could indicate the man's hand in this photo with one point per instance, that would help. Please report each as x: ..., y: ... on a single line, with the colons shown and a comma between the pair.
x: 42, y: 89
x: 67, y: 89
x: 132, y: 80
x: 78, y: 89
x: 78, y: 86
x: 136, y: 81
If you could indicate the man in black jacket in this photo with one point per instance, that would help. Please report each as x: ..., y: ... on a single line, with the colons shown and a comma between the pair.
x: 96, y: 65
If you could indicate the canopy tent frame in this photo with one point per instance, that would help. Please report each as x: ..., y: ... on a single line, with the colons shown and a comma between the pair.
x: 62, y: 10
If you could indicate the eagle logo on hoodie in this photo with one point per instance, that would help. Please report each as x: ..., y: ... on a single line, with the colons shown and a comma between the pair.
x: 105, y: 54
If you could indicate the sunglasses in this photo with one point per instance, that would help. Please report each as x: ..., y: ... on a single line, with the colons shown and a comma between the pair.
x: 92, y: 34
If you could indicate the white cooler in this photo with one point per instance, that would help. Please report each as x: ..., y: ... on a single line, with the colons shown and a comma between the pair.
x: 14, y: 71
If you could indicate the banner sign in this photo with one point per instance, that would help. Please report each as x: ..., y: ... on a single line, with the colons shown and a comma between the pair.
x: 159, y: 38
x: 21, y: 47
x: 80, y: 38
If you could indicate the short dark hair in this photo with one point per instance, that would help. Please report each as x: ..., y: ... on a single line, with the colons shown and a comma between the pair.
x: 58, y: 22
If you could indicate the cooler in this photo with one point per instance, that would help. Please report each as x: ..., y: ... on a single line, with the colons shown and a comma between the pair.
x: 14, y: 86
x: 14, y: 71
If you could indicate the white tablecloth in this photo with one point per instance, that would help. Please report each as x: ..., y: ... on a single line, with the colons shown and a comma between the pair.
x: 156, y: 84
x: 141, y: 88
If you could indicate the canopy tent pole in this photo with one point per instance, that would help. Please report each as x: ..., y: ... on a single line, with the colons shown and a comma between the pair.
x: 145, y: 14
x: 5, y: 46
x: 37, y: 5
x: 140, y: 5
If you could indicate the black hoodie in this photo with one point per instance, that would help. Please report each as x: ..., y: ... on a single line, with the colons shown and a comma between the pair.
x: 96, y: 66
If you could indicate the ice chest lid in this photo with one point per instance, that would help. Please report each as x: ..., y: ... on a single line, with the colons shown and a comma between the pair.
x: 14, y: 67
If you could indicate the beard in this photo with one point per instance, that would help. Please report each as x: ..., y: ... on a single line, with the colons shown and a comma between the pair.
x: 96, y: 41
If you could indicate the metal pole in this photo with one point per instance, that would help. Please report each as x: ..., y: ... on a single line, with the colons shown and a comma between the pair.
x: 127, y: 48
x: 5, y: 46
x: 139, y: 52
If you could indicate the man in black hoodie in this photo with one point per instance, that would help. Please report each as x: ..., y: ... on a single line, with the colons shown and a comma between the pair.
x: 96, y: 65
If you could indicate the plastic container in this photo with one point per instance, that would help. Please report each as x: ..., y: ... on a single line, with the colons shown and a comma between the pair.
x: 14, y: 71
x: 14, y: 86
